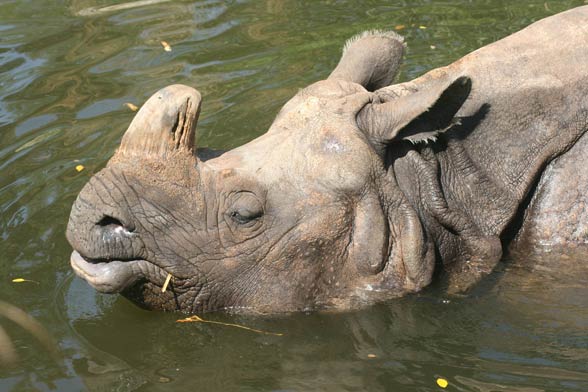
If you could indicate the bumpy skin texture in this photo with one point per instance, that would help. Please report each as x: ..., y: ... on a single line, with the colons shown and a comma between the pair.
x: 558, y: 212
x: 358, y: 192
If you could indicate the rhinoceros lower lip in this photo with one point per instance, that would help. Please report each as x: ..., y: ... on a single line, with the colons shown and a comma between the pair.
x: 108, y: 277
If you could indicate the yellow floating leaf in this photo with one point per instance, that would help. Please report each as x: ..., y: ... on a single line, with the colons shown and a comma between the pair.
x: 166, y: 46
x: 422, y: 27
x: 371, y: 355
x: 399, y: 27
x: 191, y: 319
x: 169, y: 276
x: 442, y: 382
x: 134, y: 108
x: 22, y: 280
x: 79, y: 168
x: 196, y: 319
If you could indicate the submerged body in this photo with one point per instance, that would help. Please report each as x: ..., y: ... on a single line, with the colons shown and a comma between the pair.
x: 359, y: 191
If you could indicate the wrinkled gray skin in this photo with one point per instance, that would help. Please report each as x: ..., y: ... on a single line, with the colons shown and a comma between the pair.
x: 359, y: 191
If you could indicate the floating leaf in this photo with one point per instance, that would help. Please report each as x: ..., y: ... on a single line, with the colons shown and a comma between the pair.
x: 134, y: 108
x: 196, y: 319
x: 79, y: 168
x: 399, y: 27
x: 22, y: 280
x: 422, y: 27
x: 371, y: 355
x: 442, y: 382
x: 166, y: 46
x: 433, y: 47
x: 169, y: 276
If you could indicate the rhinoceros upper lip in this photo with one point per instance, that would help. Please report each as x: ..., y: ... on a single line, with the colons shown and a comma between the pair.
x: 108, y: 276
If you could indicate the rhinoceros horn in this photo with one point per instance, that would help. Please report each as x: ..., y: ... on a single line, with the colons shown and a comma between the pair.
x: 164, y: 125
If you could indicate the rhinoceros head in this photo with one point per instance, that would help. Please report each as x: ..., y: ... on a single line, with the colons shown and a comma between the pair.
x: 307, y: 215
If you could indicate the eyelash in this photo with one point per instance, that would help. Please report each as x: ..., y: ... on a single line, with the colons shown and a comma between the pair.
x: 238, y: 217
x: 241, y: 219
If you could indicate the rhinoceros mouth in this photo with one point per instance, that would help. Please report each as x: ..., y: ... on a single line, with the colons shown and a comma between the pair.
x: 112, y: 276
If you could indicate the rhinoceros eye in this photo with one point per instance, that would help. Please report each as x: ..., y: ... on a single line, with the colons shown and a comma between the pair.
x: 244, y: 216
x: 246, y: 208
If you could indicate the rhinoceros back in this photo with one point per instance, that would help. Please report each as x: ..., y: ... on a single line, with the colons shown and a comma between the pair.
x: 533, y: 140
x: 530, y: 105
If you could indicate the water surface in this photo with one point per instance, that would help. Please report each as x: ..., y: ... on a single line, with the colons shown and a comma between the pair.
x: 66, y: 71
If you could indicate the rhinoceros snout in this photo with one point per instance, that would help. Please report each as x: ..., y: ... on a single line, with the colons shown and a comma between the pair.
x: 101, y: 228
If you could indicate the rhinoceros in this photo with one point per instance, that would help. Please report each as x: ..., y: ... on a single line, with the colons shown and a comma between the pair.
x: 360, y: 191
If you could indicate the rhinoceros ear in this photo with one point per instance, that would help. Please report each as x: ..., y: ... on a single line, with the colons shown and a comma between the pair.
x: 371, y: 59
x: 416, y: 117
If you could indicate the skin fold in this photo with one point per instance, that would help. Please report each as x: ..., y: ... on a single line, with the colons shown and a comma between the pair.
x: 360, y: 191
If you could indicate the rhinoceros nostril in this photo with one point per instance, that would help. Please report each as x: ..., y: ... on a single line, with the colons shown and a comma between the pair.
x: 109, y: 220
x: 114, y: 224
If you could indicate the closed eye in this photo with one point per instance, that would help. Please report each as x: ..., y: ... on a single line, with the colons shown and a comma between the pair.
x: 244, y: 216
x: 246, y: 208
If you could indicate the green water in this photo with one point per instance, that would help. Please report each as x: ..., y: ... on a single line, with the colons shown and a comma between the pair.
x: 64, y: 77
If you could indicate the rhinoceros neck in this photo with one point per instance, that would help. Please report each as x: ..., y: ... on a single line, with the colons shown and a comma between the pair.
x: 460, y: 209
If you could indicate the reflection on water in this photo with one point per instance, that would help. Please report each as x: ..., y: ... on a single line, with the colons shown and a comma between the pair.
x: 65, y: 74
